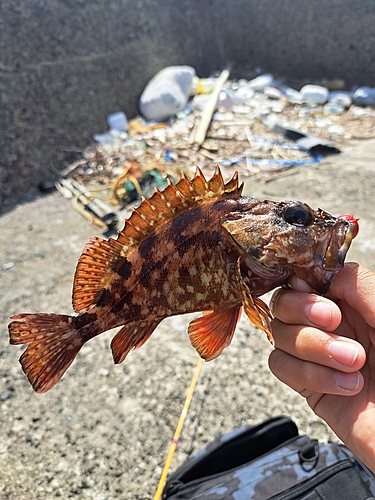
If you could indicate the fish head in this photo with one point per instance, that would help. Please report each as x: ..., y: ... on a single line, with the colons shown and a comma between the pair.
x: 278, y: 239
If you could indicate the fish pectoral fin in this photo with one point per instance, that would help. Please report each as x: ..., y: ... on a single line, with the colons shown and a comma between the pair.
x: 257, y: 312
x: 131, y: 337
x: 212, y: 332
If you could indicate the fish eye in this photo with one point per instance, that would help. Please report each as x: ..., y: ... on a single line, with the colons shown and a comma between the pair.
x: 298, y: 215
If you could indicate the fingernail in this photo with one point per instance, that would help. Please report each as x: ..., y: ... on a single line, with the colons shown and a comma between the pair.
x: 319, y: 313
x: 345, y: 353
x: 274, y: 299
x: 347, y: 381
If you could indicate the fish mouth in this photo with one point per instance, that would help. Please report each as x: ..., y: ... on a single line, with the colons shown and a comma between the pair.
x: 329, y: 259
x: 335, y: 254
x: 343, y: 250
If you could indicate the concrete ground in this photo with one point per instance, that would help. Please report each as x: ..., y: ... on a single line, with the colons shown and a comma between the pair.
x: 104, y: 431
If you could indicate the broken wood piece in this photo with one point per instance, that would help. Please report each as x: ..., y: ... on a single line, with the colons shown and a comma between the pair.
x: 199, y: 134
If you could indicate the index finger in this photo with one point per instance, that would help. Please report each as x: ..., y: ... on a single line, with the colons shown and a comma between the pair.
x: 296, y: 308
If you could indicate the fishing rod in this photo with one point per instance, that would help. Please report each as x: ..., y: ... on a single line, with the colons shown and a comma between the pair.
x: 178, y: 430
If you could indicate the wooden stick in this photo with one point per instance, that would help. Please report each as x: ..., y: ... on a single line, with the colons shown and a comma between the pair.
x: 199, y: 135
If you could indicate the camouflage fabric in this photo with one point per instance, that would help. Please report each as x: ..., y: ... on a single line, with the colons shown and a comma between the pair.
x: 301, y: 468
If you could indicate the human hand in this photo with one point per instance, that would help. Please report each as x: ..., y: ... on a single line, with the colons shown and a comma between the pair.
x: 325, y: 350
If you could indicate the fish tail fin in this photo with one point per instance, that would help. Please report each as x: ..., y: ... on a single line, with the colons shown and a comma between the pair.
x: 53, y: 343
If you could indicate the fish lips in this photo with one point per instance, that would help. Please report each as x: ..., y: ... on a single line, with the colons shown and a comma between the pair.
x: 329, y: 258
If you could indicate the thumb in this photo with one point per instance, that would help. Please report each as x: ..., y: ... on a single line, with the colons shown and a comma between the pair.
x: 355, y: 284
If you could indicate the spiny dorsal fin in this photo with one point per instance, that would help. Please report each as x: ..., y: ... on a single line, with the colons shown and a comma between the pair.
x: 101, y: 259
x: 165, y: 205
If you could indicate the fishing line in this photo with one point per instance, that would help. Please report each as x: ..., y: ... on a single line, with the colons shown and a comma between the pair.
x: 178, y: 430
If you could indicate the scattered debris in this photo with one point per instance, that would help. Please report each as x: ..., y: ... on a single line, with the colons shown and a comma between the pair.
x: 238, y: 124
x: 305, y: 142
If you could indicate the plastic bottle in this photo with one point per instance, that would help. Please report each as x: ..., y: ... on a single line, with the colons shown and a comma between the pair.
x: 272, y: 92
x: 364, y: 96
x: 314, y: 94
x: 291, y: 95
x: 167, y: 93
x: 243, y: 89
x: 228, y: 99
x: 338, y: 102
x: 118, y: 121
x: 339, y: 97
x: 203, y: 85
x: 261, y: 82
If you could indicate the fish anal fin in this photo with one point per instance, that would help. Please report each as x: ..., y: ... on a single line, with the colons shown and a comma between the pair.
x: 96, y: 268
x: 131, y: 337
x: 53, y: 343
x: 212, y: 332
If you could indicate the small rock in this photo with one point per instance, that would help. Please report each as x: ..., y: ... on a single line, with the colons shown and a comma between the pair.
x: 7, y: 265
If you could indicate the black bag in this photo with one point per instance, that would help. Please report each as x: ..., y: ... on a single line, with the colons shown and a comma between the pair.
x: 271, y: 461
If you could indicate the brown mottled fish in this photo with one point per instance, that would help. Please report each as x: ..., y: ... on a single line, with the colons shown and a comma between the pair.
x: 197, y: 246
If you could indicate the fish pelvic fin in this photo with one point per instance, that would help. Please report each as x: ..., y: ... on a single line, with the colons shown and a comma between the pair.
x: 53, y: 343
x: 212, y: 332
x: 131, y: 337
x: 255, y: 309
x: 259, y: 314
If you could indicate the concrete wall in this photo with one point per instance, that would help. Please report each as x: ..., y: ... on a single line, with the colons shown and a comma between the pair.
x: 66, y: 64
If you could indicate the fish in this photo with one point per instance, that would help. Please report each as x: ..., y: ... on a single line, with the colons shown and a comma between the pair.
x: 196, y: 246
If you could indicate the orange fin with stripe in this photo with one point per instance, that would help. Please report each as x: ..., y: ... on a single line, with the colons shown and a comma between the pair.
x: 131, y: 337
x: 211, y: 333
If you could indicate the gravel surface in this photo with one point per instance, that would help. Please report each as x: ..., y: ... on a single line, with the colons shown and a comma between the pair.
x: 104, y: 431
